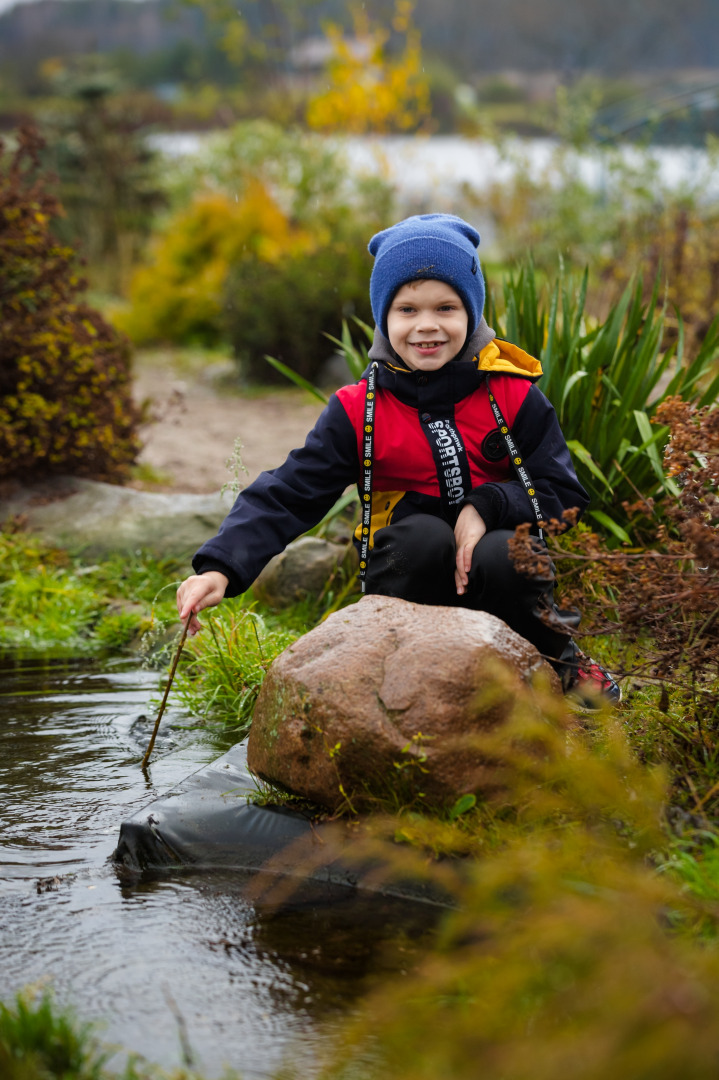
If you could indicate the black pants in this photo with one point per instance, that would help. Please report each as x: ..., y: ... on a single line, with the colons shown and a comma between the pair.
x: 415, y: 560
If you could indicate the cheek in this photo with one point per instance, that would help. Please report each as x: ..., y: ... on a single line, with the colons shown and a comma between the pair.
x: 396, y: 339
x: 461, y: 328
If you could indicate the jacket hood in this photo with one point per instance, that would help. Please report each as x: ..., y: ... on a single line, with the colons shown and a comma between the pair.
x: 488, y: 352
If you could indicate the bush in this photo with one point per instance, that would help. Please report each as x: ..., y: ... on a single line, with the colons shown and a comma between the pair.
x: 65, y: 400
x: 287, y: 308
x: 661, y: 607
x: 179, y: 295
x: 271, y: 251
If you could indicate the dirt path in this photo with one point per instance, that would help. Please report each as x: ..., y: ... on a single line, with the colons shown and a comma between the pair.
x: 196, y: 420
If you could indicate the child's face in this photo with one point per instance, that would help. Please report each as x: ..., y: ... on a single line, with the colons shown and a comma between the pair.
x: 427, y: 324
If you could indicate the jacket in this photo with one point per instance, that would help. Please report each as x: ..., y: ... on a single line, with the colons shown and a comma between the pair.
x: 414, y: 410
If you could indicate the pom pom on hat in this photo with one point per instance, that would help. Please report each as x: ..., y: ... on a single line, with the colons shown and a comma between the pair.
x: 439, y: 246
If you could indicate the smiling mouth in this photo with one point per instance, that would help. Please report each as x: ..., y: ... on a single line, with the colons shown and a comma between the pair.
x: 427, y: 344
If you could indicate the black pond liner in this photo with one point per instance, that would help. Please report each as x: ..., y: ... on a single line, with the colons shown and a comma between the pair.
x: 208, y: 822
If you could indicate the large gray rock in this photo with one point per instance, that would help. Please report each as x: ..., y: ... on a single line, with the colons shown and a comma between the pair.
x: 99, y: 519
x: 387, y: 694
x: 301, y: 570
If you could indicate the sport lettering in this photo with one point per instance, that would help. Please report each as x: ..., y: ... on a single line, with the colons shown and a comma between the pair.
x: 450, y: 461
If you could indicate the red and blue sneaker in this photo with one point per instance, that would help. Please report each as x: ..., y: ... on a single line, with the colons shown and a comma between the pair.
x: 585, y: 681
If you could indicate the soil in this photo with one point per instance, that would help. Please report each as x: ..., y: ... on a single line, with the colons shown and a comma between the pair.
x: 195, y: 415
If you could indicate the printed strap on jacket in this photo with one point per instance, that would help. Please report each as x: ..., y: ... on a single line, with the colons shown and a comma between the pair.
x: 516, y: 458
x: 367, y: 465
x: 450, y: 460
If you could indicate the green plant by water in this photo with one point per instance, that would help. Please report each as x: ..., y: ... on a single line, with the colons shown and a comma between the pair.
x: 53, y: 601
x: 222, y: 670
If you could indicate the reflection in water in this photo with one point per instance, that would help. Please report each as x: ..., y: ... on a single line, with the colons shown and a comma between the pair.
x: 153, y: 958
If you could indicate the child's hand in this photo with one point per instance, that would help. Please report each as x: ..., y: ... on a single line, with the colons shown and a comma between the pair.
x: 468, y: 531
x: 198, y: 592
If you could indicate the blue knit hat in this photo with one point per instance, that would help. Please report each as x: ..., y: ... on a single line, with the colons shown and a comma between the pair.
x: 439, y: 246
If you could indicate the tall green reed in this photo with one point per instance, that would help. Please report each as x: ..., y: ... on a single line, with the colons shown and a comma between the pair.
x: 607, y: 380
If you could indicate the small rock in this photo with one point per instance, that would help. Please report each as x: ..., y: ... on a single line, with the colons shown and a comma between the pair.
x: 301, y: 570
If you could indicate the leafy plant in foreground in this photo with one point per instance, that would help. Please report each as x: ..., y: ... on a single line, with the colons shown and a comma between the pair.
x: 561, y: 956
x: 40, y: 1042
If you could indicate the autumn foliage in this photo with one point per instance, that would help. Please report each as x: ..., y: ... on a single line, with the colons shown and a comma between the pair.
x: 65, y: 402
x: 368, y: 89
x: 660, y: 604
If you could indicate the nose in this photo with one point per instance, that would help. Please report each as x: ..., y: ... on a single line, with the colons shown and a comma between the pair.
x: 426, y: 321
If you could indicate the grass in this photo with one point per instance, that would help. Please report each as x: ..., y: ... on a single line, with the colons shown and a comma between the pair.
x: 52, y: 601
x: 222, y: 669
x: 40, y: 1042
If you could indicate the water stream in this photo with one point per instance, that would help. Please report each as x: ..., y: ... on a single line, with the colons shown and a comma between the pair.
x: 177, y: 966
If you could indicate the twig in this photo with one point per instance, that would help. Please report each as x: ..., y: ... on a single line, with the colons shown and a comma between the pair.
x: 167, y: 690
x: 188, y: 1057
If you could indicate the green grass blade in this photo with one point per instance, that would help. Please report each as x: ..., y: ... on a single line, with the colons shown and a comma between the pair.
x: 611, y: 525
x: 571, y: 382
x: 586, y: 459
x: 298, y: 380
x: 368, y: 330
x: 651, y: 435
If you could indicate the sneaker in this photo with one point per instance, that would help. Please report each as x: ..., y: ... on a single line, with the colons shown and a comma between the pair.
x: 589, y: 684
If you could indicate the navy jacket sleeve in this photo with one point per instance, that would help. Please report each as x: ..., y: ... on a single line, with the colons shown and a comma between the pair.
x: 546, y: 456
x: 285, y: 502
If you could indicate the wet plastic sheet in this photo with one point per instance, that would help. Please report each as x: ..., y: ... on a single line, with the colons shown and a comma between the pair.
x: 207, y: 822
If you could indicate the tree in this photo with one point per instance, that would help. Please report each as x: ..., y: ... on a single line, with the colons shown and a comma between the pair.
x: 108, y: 180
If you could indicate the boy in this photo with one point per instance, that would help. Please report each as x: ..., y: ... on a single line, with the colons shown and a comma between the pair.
x: 452, y: 445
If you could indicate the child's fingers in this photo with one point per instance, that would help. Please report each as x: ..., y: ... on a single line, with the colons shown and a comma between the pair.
x: 461, y: 568
x: 194, y: 595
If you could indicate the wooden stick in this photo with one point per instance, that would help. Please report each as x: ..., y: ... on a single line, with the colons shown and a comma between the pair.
x: 167, y: 690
